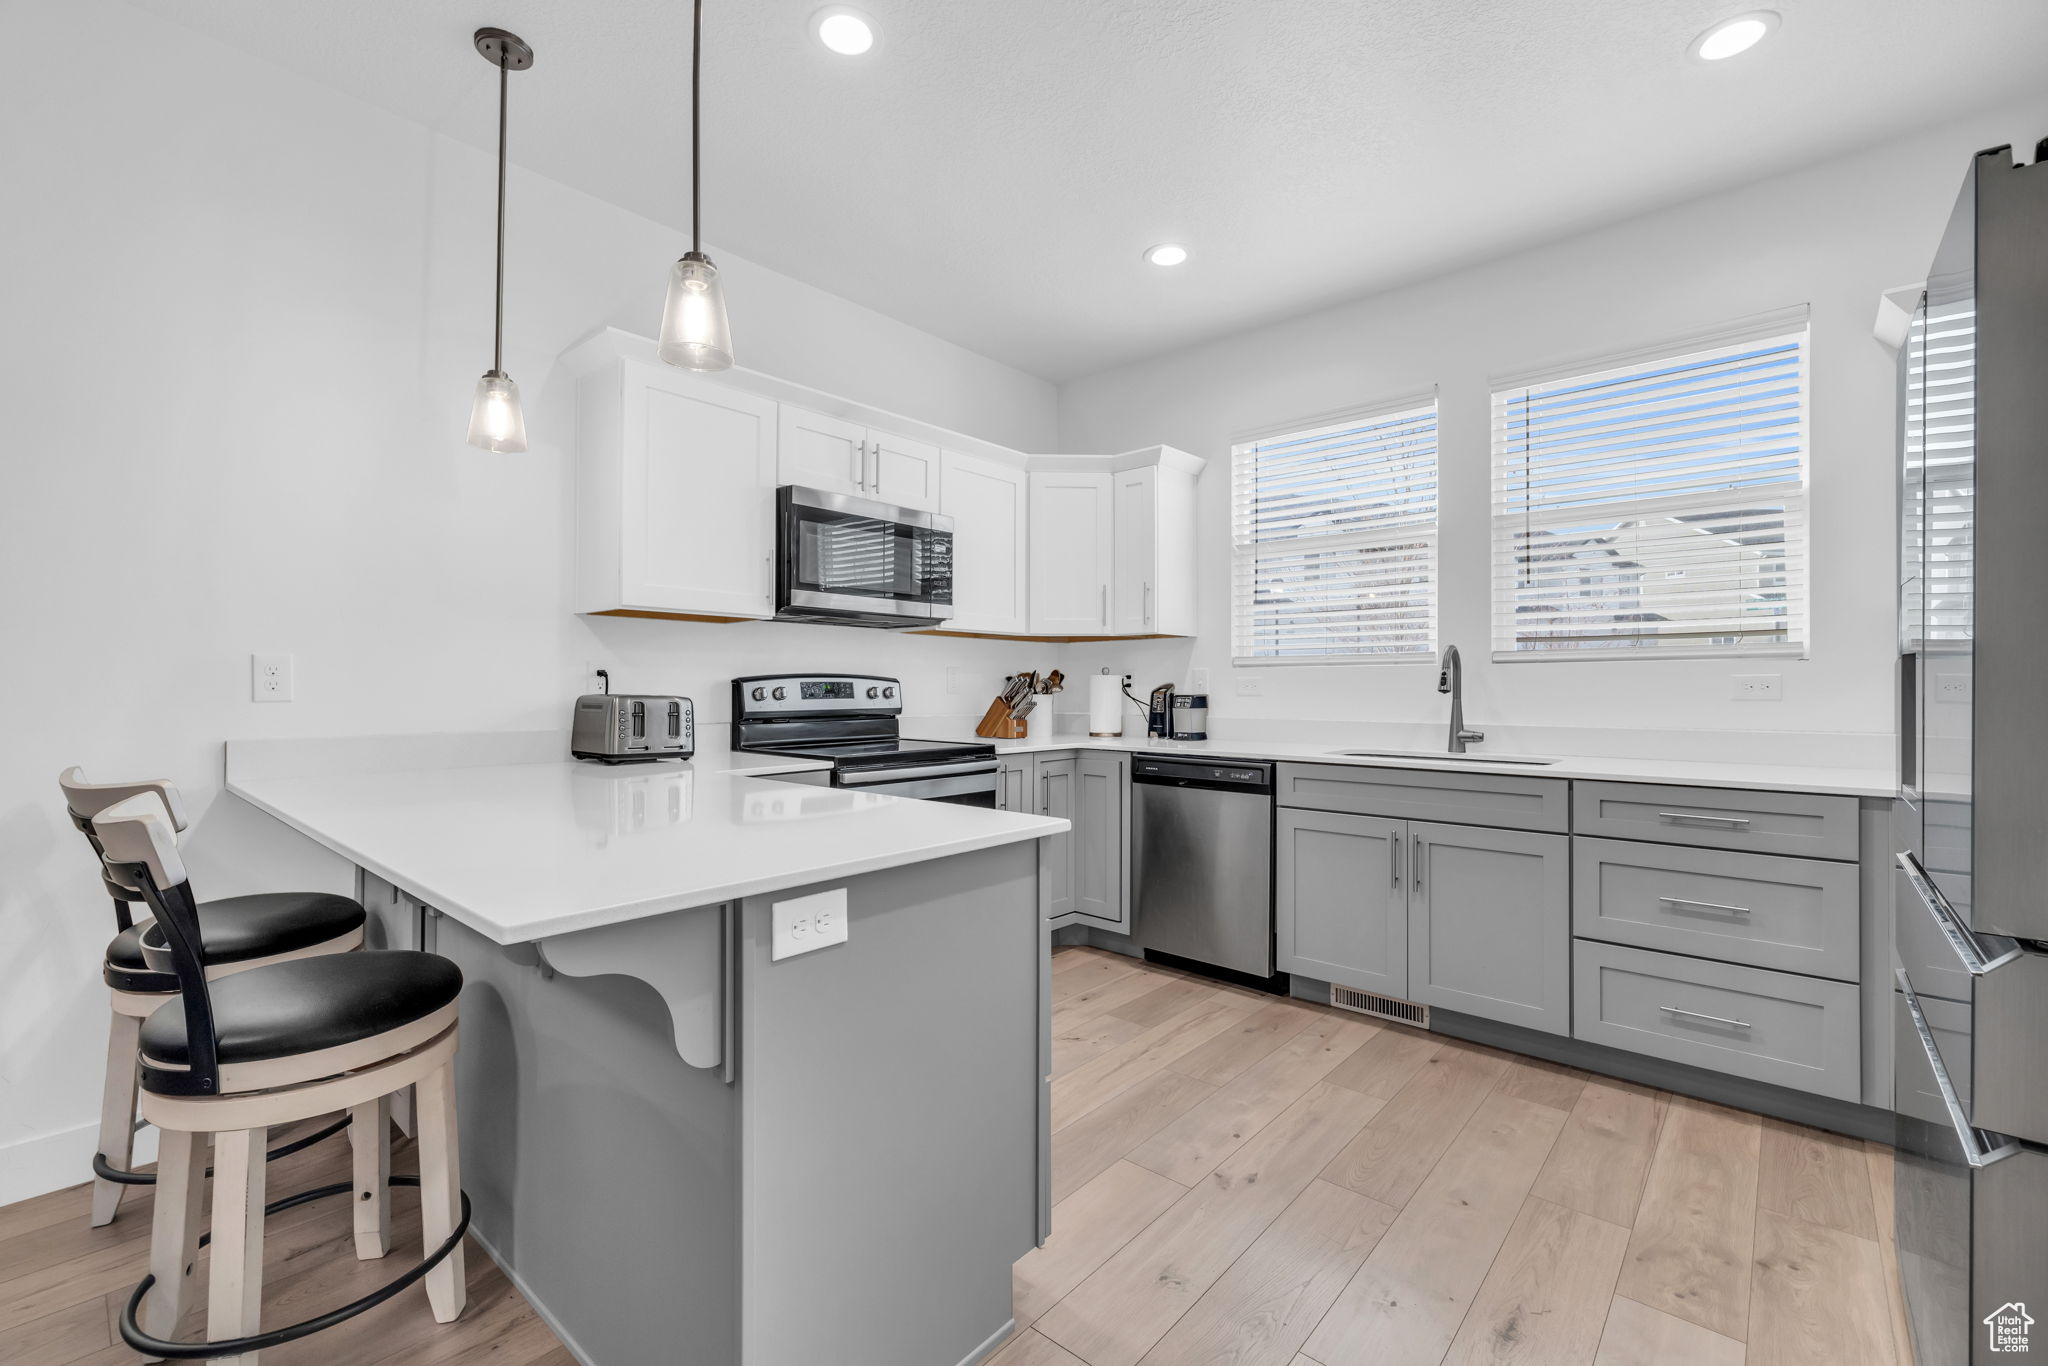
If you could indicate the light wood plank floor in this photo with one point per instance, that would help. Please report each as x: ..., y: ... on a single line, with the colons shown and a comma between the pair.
x: 63, y: 1285
x: 1239, y: 1181
x: 1268, y: 1183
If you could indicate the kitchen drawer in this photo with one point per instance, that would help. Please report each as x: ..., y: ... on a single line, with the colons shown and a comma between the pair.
x: 1793, y: 914
x: 1776, y: 1027
x: 1801, y: 823
x: 1500, y: 799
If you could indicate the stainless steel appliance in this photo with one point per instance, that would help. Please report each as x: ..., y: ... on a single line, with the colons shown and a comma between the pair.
x: 1202, y: 862
x: 625, y: 729
x: 1971, y: 821
x: 1190, y: 716
x: 850, y: 721
x: 855, y: 562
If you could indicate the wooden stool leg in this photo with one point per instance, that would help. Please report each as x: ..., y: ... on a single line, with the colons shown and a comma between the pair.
x: 440, y: 1188
x: 174, y: 1231
x: 369, y: 1133
x: 117, y: 1114
x: 234, y: 1300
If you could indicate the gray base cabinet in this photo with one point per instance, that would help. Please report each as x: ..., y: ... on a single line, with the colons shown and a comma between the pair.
x: 1087, y: 870
x: 1340, y: 904
x: 1489, y: 923
x: 1056, y: 798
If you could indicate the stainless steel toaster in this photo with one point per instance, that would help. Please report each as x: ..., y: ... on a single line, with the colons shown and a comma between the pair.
x: 621, y: 728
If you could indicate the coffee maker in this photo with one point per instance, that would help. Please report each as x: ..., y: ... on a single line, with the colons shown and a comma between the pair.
x: 1159, y: 712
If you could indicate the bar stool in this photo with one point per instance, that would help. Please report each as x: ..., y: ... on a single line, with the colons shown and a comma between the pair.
x: 237, y: 932
x: 275, y: 1044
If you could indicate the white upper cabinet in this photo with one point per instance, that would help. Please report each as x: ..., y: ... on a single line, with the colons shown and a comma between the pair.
x: 837, y: 455
x: 1073, y: 545
x: 675, y: 488
x: 1154, y: 580
x: 1131, y: 607
x: 988, y: 503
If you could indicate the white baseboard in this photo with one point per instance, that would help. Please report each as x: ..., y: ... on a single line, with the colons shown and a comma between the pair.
x: 49, y: 1162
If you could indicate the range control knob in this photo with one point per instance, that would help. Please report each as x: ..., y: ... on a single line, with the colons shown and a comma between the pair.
x: 874, y: 692
x: 781, y: 693
x: 760, y: 694
x: 888, y: 692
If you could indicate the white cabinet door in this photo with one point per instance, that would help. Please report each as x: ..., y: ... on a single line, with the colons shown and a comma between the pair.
x: 902, y: 471
x: 697, y: 496
x: 1133, y: 580
x: 1073, y: 535
x: 821, y: 452
x: 987, y: 502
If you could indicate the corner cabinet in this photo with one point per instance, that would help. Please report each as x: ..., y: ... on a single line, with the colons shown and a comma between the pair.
x: 1056, y: 862
x: 675, y: 488
x: 1073, y: 547
x: 1113, y: 544
x: 1086, y: 871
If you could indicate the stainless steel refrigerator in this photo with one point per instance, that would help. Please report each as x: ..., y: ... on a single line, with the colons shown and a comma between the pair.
x: 1971, y: 821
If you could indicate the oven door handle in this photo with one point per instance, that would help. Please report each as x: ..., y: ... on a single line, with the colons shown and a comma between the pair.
x: 1979, y: 953
x: 869, y: 777
x: 1980, y: 1147
x: 954, y: 785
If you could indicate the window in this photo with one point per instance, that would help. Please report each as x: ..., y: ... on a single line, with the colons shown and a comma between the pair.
x: 1939, y: 496
x: 1333, y: 541
x: 1656, y: 508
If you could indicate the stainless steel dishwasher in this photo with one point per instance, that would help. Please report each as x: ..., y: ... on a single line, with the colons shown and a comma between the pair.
x: 1202, y: 861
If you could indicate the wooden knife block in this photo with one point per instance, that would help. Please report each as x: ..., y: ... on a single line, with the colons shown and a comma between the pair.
x: 998, y: 724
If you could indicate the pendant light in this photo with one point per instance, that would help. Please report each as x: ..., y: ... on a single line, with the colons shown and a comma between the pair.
x: 495, y: 420
x: 694, y: 333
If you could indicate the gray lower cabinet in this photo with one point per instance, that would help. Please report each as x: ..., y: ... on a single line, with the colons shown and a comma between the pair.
x: 1775, y: 1027
x: 1489, y: 923
x: 1015, y: 775
x: 1340, y: 907
x: 1056, y: 794
x: 1101, y: 819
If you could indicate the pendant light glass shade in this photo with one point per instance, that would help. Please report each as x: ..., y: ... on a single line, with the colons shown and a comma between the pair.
x: 694, y: 334
x: 495, y: 420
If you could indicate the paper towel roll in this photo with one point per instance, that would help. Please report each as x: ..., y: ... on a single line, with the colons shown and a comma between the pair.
x: 1106, y: 704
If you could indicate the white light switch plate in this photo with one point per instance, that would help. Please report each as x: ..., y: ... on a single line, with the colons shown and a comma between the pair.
x: 808, y: 922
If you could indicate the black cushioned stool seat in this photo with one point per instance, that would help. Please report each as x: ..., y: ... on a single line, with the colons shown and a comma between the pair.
x: 236, y: 929
x: 308, y: 1004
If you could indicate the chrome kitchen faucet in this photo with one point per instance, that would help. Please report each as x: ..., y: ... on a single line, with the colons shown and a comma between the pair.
x: 1451, y: 679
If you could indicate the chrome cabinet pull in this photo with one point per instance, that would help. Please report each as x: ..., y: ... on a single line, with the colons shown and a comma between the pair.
x: 1415, y: 862
x: 859, y: 454
x: 1148, y: 604
x: 1394, y: 862
x: 1678, y: 903
x: 1980, y: 1147
x: 1980, y: 953
x: 1710, y: 1019
x: 1105, y: 604
x: 1728, y: 822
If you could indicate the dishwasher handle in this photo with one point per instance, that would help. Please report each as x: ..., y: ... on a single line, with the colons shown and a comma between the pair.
x: 1225, y: 775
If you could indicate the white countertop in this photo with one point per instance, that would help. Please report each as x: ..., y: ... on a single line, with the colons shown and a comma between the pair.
x: 533, y: 845
x: 1847, y: 782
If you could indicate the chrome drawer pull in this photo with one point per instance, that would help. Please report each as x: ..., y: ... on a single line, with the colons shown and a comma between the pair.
x: 1980, y: 1147
x: 1679, y: 903
x: 1731, y: 822
x: 1710, y: 1019
x: 1980, y: 953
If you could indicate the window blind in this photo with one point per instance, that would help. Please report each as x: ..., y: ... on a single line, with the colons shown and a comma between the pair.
x: 1939, y: 497
x: 1334, y: 536
x: 1657, y: 507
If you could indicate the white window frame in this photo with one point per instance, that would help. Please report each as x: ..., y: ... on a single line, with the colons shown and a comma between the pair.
x: 1243, y: 556
x: 1786, y: 324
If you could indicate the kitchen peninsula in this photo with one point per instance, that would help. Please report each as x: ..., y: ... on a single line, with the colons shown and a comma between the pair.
x: 684, y: 1144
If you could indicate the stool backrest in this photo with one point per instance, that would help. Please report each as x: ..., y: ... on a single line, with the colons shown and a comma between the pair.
x: 85, y: 800
x: 138, y: 839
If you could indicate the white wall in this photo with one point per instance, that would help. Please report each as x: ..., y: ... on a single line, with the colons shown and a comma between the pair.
x: 1833, y: 236
x: 243, y: 318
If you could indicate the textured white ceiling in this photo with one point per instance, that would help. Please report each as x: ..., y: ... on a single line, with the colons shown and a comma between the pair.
x: 991, y: 171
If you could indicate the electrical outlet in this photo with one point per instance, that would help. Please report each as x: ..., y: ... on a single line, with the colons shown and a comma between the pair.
x: 1250, y: 685
x: 270, y: 678
x: 1951, y: 688
x: 1759, y: 687
x: 804, y: 923
x: 592, y: 681
x: 1198, y: 680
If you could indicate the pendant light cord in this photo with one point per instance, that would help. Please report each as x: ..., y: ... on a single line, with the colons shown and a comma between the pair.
x: 696, y: 66
x: 498, y: 329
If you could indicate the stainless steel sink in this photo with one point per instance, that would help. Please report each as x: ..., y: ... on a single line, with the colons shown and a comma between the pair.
x: 1438, y: 756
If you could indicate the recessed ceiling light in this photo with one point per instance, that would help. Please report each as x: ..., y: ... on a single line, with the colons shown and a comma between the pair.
x: 1732, y: 36
x: 1167, y: 254
x: 845, y: 31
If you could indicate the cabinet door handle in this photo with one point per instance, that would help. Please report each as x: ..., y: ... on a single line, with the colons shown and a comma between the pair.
x: 1148, y: 604
x: 1710, y: 1019
x: 1395, y: 861
x: 1044, y: 793
x: 1105, y: 604
x: 1415, y: 861
x: 859, y: 454
x: 1701, y: 818
x: 1679, y: 903
x: 874, y: 465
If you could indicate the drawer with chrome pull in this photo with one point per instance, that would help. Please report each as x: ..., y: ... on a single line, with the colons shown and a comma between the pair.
x: 1764, y: 910
x: 1774, y: 1027
x: 1805, y: 824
